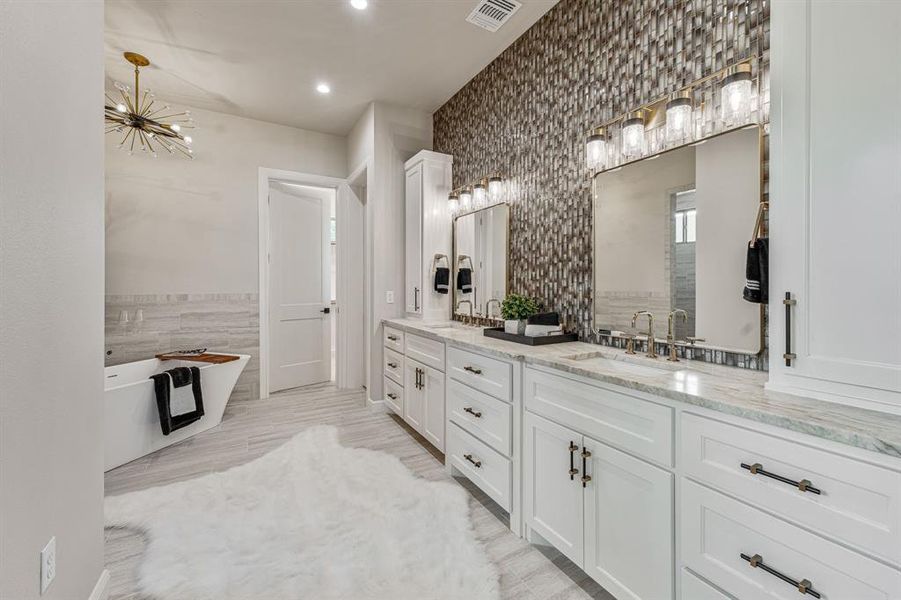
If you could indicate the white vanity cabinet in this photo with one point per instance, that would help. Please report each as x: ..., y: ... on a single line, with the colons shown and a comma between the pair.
x: 427, y: 233
x: 606, y: 509
x: 835, y: 209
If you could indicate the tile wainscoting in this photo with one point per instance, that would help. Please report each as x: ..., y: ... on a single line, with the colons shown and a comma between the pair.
x: 220, y: 322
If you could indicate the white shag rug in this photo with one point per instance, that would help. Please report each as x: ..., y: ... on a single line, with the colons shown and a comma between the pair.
x: 310, y: 520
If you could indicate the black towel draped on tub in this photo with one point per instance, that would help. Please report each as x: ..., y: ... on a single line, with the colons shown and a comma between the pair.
x: 180, y: 377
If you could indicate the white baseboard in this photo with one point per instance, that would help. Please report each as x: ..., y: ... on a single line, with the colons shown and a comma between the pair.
x: 101, y: 590
x: 379, y: 404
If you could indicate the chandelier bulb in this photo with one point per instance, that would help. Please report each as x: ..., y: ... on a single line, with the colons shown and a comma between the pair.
x: 176, y: 127
x: 188, y: 140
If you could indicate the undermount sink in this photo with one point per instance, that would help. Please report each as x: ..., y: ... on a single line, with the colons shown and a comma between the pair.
x: 629, y: 368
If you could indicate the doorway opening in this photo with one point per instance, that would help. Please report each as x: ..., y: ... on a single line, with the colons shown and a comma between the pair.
x: 303, y: 284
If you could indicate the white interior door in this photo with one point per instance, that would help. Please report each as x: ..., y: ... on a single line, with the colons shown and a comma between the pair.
x: 299, y: 282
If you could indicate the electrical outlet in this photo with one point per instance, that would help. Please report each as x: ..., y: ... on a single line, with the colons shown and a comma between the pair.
x: 389, y: 297
x: 48, y: 564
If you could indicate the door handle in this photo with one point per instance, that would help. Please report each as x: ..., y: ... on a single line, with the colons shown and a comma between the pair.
x: 572, y: 456
x: 326, y: 310
x: 585, y: 476
x: 789, y: 302
x: 415, y: 299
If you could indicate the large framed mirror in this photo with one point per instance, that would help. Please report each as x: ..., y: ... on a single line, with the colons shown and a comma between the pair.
x: 672, y: 232
x: 480, y: 275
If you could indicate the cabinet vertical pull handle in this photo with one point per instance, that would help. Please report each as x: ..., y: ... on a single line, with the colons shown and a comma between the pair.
x: 477, y: 463
x: 804, y: 485
x: 789, y: 302
x: 475, y: 413
x: 804, y: 586
x: 585, y: 476
x: 572, y: 457
x: 415, y: 299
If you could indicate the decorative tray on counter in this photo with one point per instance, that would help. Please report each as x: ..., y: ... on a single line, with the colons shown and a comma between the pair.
x: 499, y: 333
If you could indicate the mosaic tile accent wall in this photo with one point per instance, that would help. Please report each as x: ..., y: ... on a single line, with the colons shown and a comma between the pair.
x: 220, y: 322
x: 527, y: 114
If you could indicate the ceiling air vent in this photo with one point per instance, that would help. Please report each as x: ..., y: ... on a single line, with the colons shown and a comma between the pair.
x: 491, y: 14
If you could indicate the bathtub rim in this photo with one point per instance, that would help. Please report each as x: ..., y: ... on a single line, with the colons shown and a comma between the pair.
x: 200, y: 365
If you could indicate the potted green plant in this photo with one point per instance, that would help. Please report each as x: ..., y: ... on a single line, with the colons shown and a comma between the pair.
x: 516, y: 309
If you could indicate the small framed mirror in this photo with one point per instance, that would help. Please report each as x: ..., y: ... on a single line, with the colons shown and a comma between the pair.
x: 480, y: 275
x: 672, y: 232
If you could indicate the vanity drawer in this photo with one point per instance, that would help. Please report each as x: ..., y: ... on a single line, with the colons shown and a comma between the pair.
x: 859, y: 503
x: 393, y: 338
x: 695, y: 589
x: 616, y: 417
x: 485, y: 417
x: 489, y: 375
x: 394, y: 396
x: 481, y: 465
x: 394, y: 366
x: 427, y: 351
x: 717, y: 530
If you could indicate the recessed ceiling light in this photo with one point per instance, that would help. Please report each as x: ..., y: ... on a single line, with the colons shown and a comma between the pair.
x: 323, y: 88
x: 359, y: 4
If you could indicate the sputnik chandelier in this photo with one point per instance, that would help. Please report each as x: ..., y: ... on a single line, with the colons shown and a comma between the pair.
x: 146, y: 124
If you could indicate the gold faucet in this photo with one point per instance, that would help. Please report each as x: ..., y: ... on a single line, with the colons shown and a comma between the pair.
x: 652, y: 351
x: 488, y: 306
x: 670, y: 335
x: 470, y: 311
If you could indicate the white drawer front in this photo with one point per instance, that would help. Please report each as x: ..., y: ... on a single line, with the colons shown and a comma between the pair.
x: 481, y: 465
x: 860, y: 504
x: 394, y: 339
x: 394, y: 366
x: 394, y: 396
x: 489, y: 375
x: 616, y: 417
x: 695, y: 589
x: 717, y: 530
x: 427, y: 351
x: 485, y: 417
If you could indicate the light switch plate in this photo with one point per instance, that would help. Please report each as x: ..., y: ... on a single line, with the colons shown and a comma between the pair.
x: 48, y: 564
x: 389, y: 297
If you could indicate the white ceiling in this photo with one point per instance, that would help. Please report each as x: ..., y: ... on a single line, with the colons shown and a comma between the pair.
x: 263, y: 59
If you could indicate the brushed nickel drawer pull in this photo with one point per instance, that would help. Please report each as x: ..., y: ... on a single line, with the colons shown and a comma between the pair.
x: 392, y: 396
x: 585, y: 476
x: 472, y: 370
x: 572, y: 453
x: 804, y: 485
x: 804, y: 586
x: 477, y: 463
x: 393, y: 338
x: 474, y: 413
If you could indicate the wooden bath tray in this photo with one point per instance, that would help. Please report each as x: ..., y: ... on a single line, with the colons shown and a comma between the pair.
x: 206, y: 357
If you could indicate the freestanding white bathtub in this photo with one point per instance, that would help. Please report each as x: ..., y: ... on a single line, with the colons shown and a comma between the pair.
x: 132, y: 425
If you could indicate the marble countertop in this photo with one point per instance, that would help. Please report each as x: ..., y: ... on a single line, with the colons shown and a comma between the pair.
x: 729, y: 390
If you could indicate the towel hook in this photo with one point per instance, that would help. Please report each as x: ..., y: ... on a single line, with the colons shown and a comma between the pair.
x: 758, y: 223
x: 437, y: 259
x: 464, y: 257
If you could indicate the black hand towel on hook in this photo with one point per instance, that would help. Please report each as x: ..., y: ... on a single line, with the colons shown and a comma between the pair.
x: 442, y: 280
x: 757, y: 272
x: 464, y: 280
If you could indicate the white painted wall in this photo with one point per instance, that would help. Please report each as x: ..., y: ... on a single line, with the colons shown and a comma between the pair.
x: 385, y: 136
x: 175, y: 225
x: 51, y: 295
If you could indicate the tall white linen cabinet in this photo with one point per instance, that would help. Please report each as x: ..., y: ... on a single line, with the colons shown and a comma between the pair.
x: 835, y: 209
x: 427, y: 234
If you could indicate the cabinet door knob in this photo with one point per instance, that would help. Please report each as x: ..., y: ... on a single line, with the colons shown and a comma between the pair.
x: 474, y: 413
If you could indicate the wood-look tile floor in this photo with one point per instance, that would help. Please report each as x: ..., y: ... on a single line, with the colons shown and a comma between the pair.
x: 250, y: 429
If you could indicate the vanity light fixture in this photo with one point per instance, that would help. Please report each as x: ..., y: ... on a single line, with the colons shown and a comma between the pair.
x: 633, y: 134
x: 495, y: 188
x: 596, y: 149
x: 678, y: 117
x: 735, y: 94
x: 144, y: 121
x: 465, y: 198
x: 479, y: 192
x: 453, y: 200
